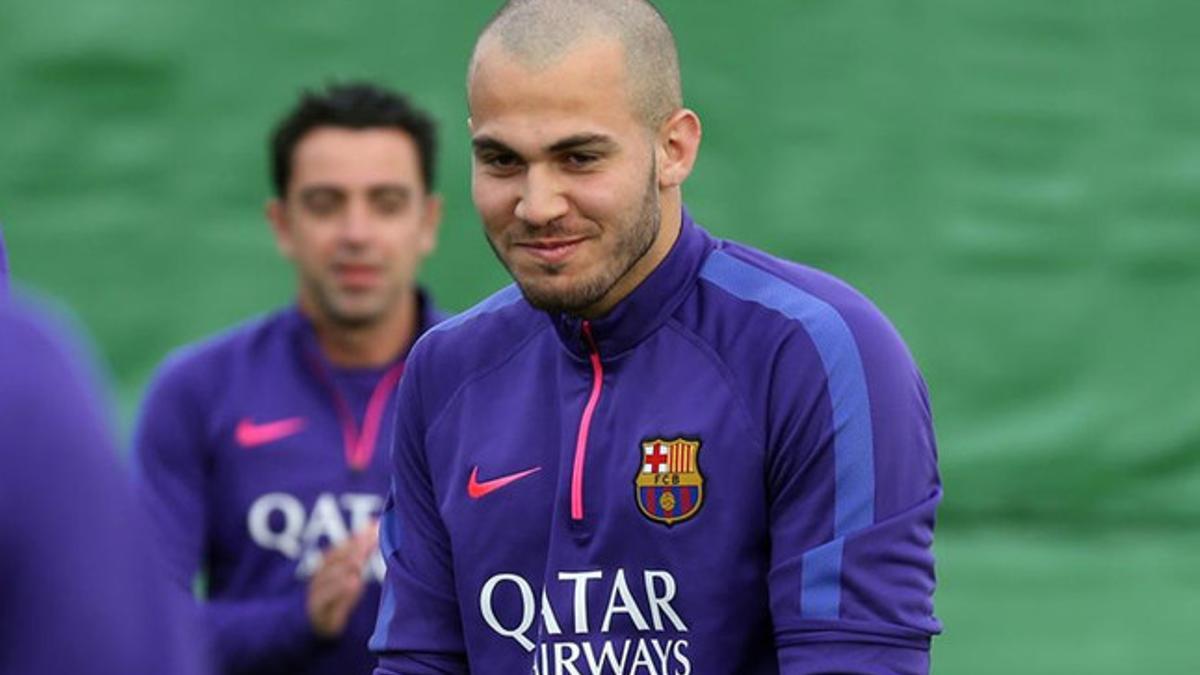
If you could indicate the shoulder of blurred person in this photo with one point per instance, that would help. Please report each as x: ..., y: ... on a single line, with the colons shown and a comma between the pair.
x: 193, y: 364
x: 84, y: 592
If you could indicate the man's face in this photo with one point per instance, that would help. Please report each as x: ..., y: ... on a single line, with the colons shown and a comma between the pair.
x: 564, y: 175
x: 356, y: 221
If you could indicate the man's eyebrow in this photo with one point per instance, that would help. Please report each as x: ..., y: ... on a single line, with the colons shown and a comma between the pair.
x: 579, y: 141
x: 488, y: 143
x: 389, y: 188
x: 483, y: 143
x: 320, y: 188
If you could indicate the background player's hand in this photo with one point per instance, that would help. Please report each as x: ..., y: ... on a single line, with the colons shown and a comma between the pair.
x: 338, y: 583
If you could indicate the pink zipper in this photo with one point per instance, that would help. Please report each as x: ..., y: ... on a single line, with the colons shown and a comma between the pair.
x: 364, y: 446
x: 585, y: 425
x: 359, y: 447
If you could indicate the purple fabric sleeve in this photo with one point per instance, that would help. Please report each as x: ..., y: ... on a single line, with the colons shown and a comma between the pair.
x: 853, y: 658
x: 261, y: 635
x: 246, y: 636
x: 420, y: 570
x: 414, y: 663
x: 82, y: 589
x: 853, y: 503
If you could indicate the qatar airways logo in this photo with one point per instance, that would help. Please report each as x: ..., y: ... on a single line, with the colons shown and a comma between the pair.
x: 572, y: 641
x: 278, y: 521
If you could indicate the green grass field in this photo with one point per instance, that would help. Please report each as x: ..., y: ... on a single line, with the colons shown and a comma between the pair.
x: 1056, y: 602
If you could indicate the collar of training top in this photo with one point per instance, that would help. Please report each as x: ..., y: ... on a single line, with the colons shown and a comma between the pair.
x: 649, y: 305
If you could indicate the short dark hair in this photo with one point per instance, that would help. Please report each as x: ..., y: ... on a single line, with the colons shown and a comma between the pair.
x: 351, y: 105
x: 540, y: 32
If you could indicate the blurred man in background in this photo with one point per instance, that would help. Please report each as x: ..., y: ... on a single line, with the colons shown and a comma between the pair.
x: 260, y: 450
x: 662, y: 452
x: 82, y: 591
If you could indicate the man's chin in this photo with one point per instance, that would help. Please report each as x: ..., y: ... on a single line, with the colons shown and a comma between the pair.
x: 551, y: 297
x: 350, y: 321
x: 353, y: 315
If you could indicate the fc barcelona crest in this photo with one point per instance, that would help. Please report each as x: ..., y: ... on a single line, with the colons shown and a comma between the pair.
x: 669, y: 486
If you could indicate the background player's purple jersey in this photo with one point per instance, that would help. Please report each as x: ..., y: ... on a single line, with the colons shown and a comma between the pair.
x: 81, y: 588
x: 256, y: 454
x: 733, y: 471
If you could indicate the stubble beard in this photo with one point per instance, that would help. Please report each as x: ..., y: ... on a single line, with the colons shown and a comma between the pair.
x: 632, y: 244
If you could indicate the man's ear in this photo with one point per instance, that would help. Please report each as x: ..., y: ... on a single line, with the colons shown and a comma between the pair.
x: 678, y: 145
x: 280, y: 226
x: 431, y: 221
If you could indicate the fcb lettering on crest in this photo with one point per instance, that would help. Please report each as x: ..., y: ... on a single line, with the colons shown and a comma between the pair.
x: 669, y: 487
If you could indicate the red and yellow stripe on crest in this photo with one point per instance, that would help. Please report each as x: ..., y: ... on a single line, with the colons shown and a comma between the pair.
x: 682, y: 457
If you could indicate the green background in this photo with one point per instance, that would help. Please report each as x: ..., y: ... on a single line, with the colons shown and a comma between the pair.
x: 1016, y: 183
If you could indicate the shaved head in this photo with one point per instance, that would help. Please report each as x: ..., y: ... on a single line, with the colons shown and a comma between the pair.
x: 539, y: 33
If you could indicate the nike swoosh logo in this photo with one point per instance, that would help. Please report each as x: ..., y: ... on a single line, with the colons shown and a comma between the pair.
x: 250, y: 435
x: 476, y: 490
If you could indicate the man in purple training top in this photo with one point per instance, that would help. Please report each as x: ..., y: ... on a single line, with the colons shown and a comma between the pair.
x: 260, y: 450
x: 80, y: 592
x: 659, y: 452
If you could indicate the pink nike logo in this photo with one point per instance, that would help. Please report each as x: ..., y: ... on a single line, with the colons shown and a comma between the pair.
x: 476, y: 490
x: 250, y: 435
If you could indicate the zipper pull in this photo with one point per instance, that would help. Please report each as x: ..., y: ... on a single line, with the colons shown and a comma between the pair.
x: 589, y: 342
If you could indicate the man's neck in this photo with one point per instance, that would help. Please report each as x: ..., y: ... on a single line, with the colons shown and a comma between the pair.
x: 670, y: 224
x: 370, y: 346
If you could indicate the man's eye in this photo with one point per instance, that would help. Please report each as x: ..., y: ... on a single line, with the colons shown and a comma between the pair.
x: 390, y: 204
x: 322, y: 204
x: 500, y: 161
x: 581, y: 160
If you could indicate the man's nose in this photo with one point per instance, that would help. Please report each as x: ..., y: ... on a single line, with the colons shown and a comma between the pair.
x: 357, y: 223
x: 542, y: 200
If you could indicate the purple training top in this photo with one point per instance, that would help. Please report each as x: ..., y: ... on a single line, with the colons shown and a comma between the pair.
x: 254, y: 455
x: 81, y: 588
x: 733, y: 471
